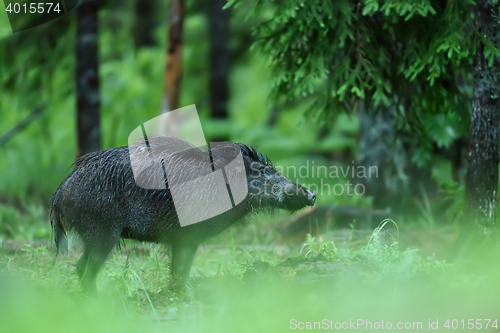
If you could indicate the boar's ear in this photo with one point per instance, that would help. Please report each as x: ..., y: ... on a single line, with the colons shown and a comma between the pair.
x: 245, y: 150
x: 263, y: 159
x: 224, y: 153
x: 254, y: 155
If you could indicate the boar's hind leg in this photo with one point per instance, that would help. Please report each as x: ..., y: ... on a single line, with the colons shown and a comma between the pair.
x: 182, y: 258
x: 93, y: 258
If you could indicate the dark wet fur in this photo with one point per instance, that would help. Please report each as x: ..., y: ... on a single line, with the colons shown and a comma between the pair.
x: 102, y: 203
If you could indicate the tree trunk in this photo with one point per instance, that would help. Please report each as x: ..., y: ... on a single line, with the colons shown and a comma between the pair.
x: 219, y: 58
x: 87, y: 79
x: 482, y: 173
x: 379, y: 147
x: 146, y: 22
x: 173, y: 74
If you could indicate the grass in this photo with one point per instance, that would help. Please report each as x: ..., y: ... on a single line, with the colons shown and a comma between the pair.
x: 247, y: 288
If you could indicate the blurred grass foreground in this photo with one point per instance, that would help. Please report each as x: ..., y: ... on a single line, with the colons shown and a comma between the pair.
x: 319, y: 269
x: 251, y: 288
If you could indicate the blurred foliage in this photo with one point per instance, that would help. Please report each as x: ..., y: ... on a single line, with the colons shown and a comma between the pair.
x: 51, y: 310
x: 454, y: 191
x: 37, y: 68
x: 236, y: 287
x: 416, y: 55
x: 41, y: 71
x: 22, y: 223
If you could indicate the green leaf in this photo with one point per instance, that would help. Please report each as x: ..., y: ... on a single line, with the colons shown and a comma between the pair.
x: 371, y: 7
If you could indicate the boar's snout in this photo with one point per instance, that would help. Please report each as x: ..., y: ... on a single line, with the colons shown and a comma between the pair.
x: 311, y: 196
x: 298, y: 197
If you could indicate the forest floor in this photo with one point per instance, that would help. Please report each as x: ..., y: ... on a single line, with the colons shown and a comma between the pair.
x: 246, y: 282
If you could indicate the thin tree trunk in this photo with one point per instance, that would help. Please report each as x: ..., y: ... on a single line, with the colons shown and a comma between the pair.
x: 145, y: 23
x: 87, y: 79
x: 379, y: 147
x: 173, y: 74
x: 482, y: 173
x: 21, y: 125
x: 219, y: 58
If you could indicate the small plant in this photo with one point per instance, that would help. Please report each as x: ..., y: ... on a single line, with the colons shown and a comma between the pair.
x: 35, y: 252
x: 375, y: 237
x: 388, y: 259
x: 455, y: 198
x: 426, y: 216
x: 321, y: 247
x: 128, y: 279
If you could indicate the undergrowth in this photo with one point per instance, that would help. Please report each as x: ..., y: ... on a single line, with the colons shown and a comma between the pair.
x: 227, y: 281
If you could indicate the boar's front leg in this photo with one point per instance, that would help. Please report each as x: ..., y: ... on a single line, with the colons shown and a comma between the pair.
x: 183, y: 251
